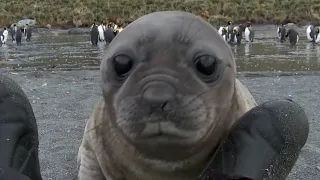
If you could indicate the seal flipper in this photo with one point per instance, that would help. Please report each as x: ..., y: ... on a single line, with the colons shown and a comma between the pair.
x: 264, y: 144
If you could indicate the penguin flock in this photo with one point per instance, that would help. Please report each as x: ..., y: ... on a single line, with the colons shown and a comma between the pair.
x: 16, y: 34
x: 233, y: 34
x: 99, y: 33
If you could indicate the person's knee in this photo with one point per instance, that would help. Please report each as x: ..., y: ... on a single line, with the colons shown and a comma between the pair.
x: 289, y: 120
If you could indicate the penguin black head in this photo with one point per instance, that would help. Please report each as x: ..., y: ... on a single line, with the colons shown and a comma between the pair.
x: 229, y: 23
x: 242, y: 27
x: 5, y: 28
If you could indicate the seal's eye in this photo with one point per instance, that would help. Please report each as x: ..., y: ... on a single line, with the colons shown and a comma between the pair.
x: 122, y: 65
x: 206, y: 65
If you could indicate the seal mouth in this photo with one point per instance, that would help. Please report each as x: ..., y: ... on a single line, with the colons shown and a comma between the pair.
x: 161, y: 129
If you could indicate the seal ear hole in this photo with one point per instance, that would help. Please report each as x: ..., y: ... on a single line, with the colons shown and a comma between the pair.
x: 122, y: 65
x: 206, y: 65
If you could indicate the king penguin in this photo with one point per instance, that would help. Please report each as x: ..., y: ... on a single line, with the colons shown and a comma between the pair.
x: 28, y: 32
x: 230, y: 35
x: 317, y: 34
x: 311, y: 35
x: 249, y: 33
x: 293, y: 36
x: 223, y: 32
x: 94, y: 35
x: 281, y: 31
x: 237, y: 32
x: 18, y: 36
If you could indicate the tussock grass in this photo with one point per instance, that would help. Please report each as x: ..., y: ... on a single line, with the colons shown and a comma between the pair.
x: 67, y: 13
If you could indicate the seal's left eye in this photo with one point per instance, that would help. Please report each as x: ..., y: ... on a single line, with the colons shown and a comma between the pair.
x: 122, y: 65
x: 206, y: 65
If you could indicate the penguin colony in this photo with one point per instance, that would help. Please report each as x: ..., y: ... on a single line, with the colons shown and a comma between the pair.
x: 103, y: 33
x: 16, y: 34
x: 233, y: 34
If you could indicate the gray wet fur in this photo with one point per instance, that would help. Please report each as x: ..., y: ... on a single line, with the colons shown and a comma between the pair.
x: 163, y: 84
x: 18, y: 36
x: 282, y: 33
x: 94, y: 35
x: 28, y: 33
x: 293, y: 36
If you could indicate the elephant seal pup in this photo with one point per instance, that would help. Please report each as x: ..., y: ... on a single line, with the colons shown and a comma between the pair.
x: 170, y: 94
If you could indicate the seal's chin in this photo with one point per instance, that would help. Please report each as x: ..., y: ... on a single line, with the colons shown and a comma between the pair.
x: 164, y: 141
x: 164, y: 134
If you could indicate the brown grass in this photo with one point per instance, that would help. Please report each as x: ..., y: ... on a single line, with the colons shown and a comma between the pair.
x: 67, y: 13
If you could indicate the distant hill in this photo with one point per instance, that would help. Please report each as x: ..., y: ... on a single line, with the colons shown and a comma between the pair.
x: 83, y: 12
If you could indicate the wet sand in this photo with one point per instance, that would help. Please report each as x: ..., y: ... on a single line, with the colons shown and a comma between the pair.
x: 62, y: 101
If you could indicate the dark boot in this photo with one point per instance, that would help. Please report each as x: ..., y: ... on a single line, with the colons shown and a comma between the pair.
x: 264, y: 144
x: 18, y: 134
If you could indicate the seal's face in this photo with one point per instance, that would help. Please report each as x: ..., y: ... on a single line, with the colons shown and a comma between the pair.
x: 168, y: 81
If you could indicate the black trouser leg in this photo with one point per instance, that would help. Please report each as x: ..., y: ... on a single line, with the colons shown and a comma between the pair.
x: 264, y: 144
x: 18, y: 134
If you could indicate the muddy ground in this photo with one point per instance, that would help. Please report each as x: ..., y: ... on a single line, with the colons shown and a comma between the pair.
x: 62, y: 101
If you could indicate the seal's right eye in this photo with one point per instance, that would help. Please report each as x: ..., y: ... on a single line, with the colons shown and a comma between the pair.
x: 206, y: 65
x: 122, y: 65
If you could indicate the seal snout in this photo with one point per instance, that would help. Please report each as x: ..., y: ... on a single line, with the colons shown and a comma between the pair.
x: 160, y: 96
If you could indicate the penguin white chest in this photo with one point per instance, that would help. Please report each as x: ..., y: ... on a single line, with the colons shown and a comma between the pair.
x: 220, y: 31
x: 308, y: 31
x: 247, y: 34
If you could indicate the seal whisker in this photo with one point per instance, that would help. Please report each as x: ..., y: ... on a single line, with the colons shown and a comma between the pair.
x: 183, y: 40
x: 194, y: 98
x: 197, y: 31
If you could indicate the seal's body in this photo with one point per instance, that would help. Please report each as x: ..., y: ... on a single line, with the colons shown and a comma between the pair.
x: 170, y: 94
